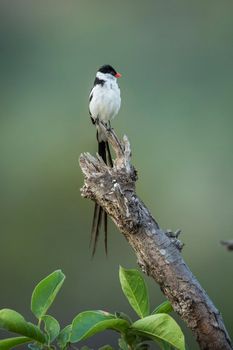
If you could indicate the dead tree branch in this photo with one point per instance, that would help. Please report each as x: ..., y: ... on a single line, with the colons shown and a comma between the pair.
x: 157, y: 251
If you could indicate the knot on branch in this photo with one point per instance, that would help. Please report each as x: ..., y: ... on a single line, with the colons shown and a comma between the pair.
x: 174, y: 238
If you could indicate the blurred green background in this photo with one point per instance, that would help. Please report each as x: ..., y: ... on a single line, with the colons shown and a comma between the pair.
x: 176, y: 60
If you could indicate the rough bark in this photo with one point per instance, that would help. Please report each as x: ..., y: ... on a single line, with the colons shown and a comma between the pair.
x: 157, y: 251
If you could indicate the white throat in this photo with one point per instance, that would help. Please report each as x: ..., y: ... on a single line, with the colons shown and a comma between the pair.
x: 105, y: 76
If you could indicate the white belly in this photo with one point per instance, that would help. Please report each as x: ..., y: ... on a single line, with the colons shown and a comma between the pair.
x: 106, y: 102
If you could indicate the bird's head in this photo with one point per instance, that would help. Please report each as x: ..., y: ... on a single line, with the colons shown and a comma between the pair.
x: 108, y: 72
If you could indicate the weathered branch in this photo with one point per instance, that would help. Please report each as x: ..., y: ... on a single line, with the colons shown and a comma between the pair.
x: 157, y: 251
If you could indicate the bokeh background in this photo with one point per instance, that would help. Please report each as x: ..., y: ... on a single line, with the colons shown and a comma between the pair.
x: 176, y: 60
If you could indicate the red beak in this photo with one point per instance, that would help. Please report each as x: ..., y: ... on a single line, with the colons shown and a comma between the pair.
x: 118, y: 75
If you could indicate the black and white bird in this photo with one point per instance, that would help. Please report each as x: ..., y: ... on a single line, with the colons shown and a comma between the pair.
x: 104, y: 104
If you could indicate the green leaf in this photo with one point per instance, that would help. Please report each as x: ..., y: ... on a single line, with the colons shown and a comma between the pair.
x: 14, y: 322
x: 163, y: 308
x: 45, y: 293
x: 88, y: 323
x: 51, y: 327
x: 64, y: 337
x: 164, y: 345
x: 135, y: 290
x: 106, y: 347
x: 161, y: 327
x: 10, y: 343
x: 122, y: 344
x: 123, y: 316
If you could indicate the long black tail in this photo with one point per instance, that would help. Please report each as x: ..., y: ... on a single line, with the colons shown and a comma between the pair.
x: 104, y: 152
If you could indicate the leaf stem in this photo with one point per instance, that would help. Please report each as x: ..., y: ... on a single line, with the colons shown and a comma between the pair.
x: 39, y: 322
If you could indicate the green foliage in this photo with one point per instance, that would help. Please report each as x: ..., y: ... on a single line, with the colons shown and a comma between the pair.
x: 161, y: 327
x: 158, y: 327
x: 64, y: 337
x: 10, y: 343
x: 164, y: 308
x: 88, y: 323
x: 14, y: 322
x: 135, y: 290
x: 45, y: 293
x: 51, y: 327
